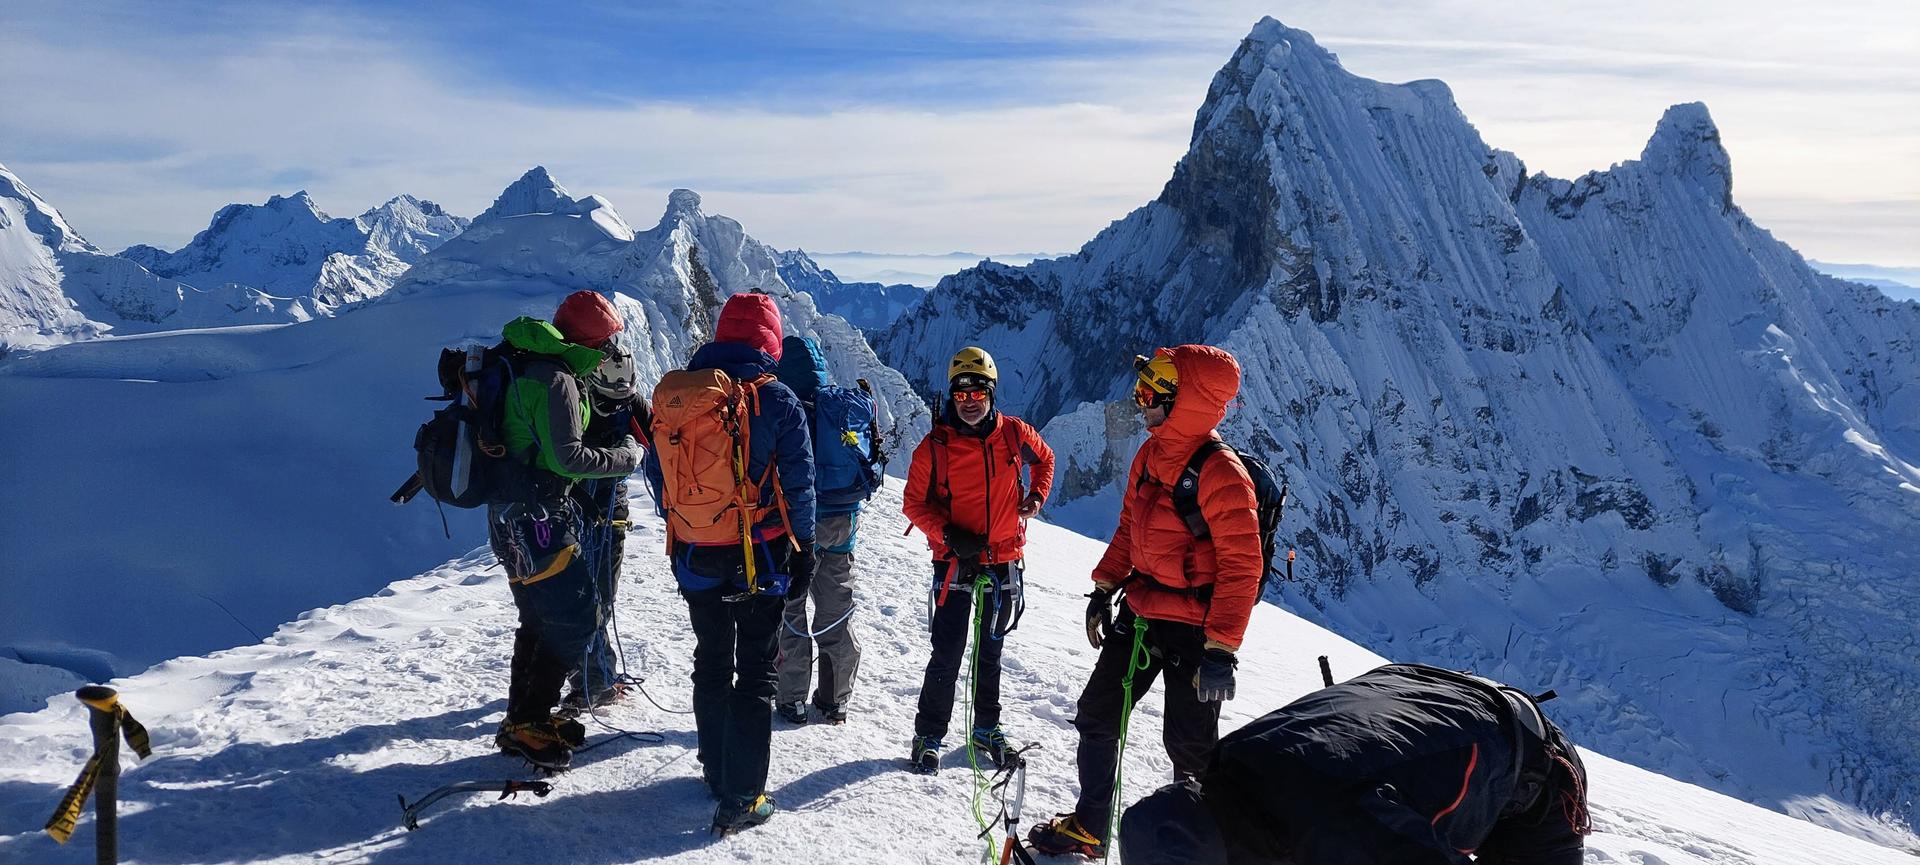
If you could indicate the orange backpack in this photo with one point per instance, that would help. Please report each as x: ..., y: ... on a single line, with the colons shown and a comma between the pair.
x: 702, y: 436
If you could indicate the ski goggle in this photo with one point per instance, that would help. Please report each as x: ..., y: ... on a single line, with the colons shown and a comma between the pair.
x: 1153, y: 386
x: 1146, y: 397
x: 963, y: 397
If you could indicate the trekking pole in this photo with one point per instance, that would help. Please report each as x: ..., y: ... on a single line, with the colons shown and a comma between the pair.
x: 101, y: 776
x: 1326, y: 672
x: 101, y: 701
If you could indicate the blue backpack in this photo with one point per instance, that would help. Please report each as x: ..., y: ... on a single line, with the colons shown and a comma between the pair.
x: 846, y: 443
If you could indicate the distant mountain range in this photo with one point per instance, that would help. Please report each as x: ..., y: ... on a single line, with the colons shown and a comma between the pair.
x: 1899, y: 283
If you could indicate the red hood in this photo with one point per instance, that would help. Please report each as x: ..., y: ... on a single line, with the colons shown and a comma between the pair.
x: 750, y: 319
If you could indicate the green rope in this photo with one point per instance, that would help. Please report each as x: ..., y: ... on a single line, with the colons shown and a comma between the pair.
x: 1138, y: 659
x: 980, y: 583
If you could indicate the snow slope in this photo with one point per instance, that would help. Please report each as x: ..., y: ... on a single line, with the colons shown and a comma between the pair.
x: 184, y: 483
x: 1605, y: 428
x: 55, y: 286
x: 293, y: 750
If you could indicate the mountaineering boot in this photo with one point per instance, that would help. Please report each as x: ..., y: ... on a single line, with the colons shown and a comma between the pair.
x: 830, y: 713
x: 536, y: 742
x: 993, y: 743
x: 731, y: 818
x: 1064, y: 834
x: 571, y: 731
x: 793, y: 713
x: 923, y: 757
x: 576, y: 702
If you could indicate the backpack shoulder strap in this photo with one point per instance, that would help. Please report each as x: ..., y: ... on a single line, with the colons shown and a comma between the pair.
x: 1186, y: 489
x: 866, y: 387
x: 938, y: 492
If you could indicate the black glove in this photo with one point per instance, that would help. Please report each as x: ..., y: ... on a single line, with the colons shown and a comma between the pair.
x: 966, y: 545
x: 1214, y: 682
x: 1099, y: 615
x: 800, y: 570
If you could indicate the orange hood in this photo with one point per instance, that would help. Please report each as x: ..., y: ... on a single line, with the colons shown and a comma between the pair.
x: 1209, y: 381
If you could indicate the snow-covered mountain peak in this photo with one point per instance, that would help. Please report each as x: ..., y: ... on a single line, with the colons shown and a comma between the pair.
x: 284, y: 219
x: 535, y: 192
x: 56, y: 287
x: 1277, y: 40
x: 407, y: 228
x: 1686, y: 143
x: 39, y: 217
x: 299, y: 203
x: 682, y: 202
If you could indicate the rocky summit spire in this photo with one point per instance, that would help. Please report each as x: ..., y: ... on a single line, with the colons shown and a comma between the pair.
x: 1686, y: 143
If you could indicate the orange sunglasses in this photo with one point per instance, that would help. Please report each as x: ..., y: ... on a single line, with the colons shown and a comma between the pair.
x: 965, y: 396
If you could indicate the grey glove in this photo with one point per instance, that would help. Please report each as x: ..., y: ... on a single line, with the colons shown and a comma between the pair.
x: 1213, y: 683
x: 628, y: 450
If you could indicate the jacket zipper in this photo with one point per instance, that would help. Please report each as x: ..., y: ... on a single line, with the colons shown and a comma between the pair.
x: 986, y: 453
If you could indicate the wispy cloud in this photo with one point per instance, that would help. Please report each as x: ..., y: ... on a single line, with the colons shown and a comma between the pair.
x: 910, y: 126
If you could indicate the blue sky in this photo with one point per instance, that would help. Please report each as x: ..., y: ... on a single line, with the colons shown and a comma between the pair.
x: 905, y: 126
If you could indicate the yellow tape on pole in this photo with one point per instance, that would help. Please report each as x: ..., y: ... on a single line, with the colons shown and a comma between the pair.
x: 135, y: 734
x: 67, y: 816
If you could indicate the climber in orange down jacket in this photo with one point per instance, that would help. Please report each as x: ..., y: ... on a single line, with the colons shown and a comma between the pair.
x: 1192, y: 595
x: 966, y: 491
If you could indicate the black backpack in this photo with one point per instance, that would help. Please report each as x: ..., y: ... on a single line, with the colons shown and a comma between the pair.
x: 1269, y: 492
x: 467, y: 434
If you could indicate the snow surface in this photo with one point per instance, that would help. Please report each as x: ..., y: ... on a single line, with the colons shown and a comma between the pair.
x: 293, y: 750
x: 1604, y: 429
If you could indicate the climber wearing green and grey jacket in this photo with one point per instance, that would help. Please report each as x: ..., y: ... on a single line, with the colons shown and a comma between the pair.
x: 538, y: 541
x: 546, y: 410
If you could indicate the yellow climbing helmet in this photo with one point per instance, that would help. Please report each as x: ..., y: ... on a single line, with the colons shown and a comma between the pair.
x: 974, y: 363
x: 1157, y: 373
